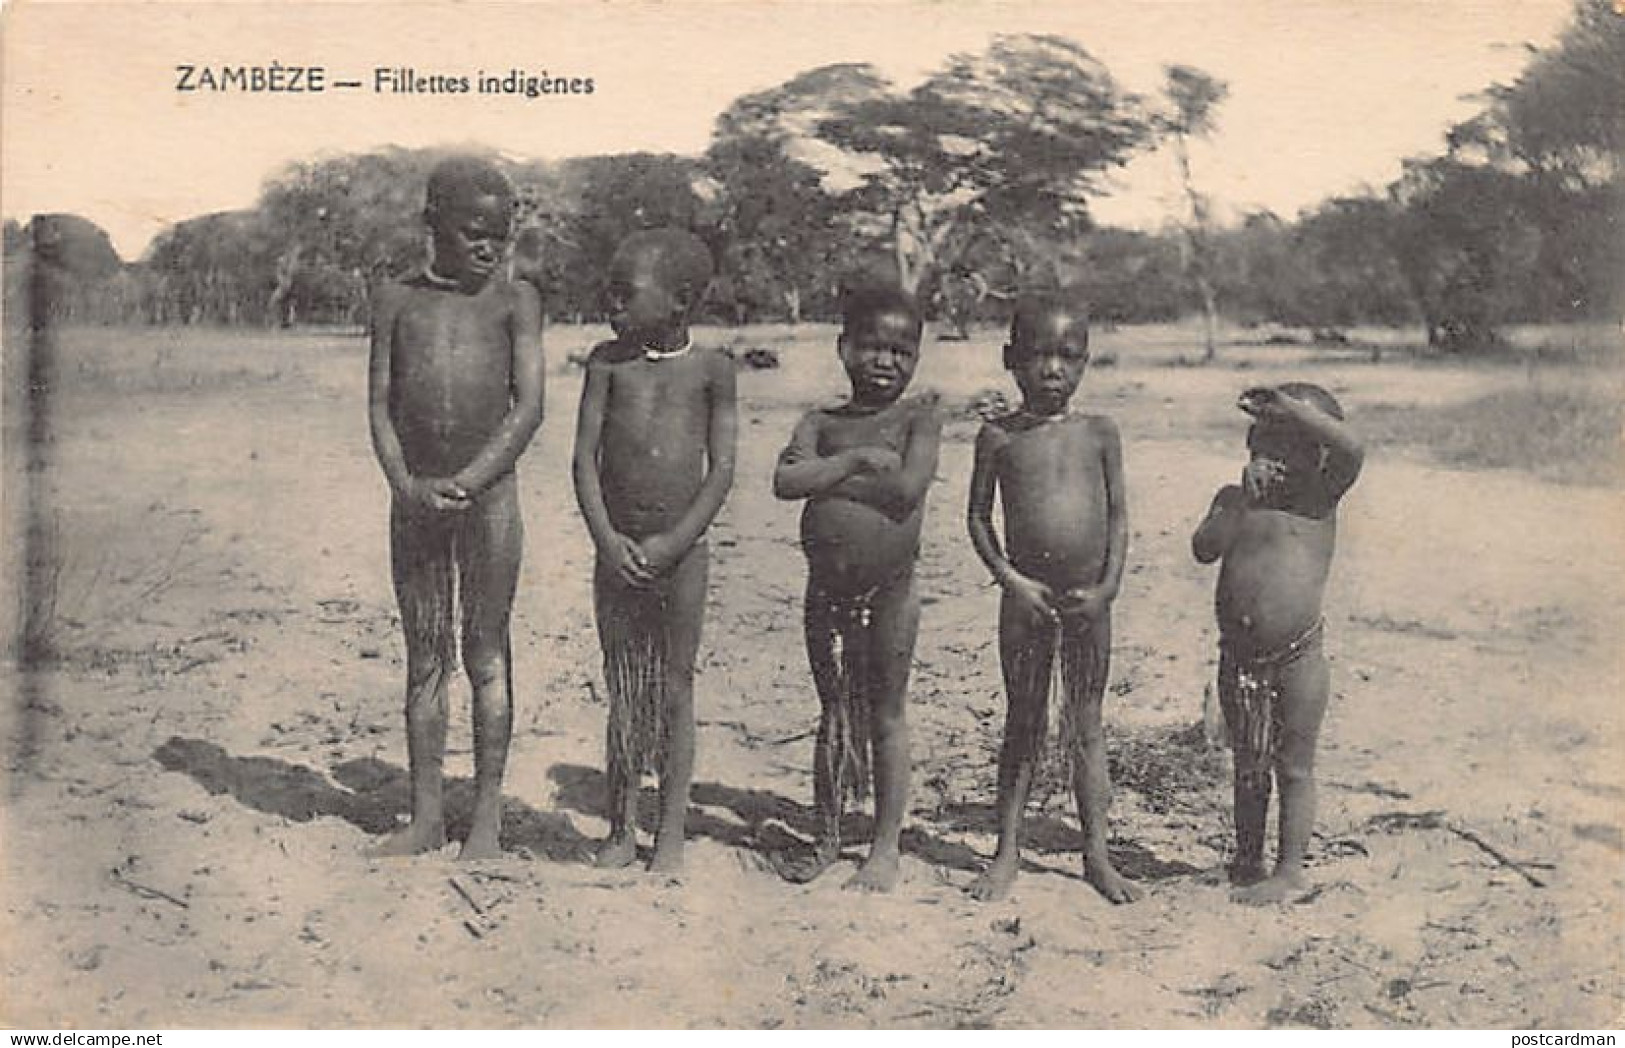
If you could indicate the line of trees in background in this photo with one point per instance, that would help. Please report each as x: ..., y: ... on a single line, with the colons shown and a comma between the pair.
x: 966, y: 188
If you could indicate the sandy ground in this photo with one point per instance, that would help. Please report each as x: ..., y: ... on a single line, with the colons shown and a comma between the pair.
x: 224, y: 735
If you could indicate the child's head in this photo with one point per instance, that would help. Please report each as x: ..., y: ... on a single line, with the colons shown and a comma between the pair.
x: 880, y: 340
x: 1273, y: 438
x: 1048, y: 349
x: 657, y: 280
x: 469, y: 212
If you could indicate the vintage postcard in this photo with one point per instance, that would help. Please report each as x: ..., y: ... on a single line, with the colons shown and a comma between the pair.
x: 768, y: 515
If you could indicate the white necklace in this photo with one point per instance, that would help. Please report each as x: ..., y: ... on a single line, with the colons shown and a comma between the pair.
x: 653, y: 353
x: 439, y: 281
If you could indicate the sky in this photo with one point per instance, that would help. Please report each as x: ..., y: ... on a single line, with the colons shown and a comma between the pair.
x: 1325, y: 97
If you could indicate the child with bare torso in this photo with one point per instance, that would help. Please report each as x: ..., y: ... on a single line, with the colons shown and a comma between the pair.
x: 455, y: 395
x: 1059, y: 477
x: 654, y: 459
x: 1276, y: 533
x: 863, y: 468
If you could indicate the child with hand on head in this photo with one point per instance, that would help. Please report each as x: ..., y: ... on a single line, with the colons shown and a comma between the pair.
x: 863, y: 468
x: 654, y: 459
x: 1058, y: 475
x: 1275, y: 534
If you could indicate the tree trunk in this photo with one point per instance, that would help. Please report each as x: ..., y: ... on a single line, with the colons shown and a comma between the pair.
x: 287, y: 267
x: 1210, y: 317
x: 1196, y: 244
x: 914, y: 247
x: 907, y: 276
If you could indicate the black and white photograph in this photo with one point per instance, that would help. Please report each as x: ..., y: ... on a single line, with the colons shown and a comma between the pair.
x: 876, y: 515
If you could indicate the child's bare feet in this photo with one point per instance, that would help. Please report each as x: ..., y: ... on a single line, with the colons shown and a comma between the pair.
x: 616, y: 852
x: 481, y: 843
x: 803, y: 869
x: 995, y: 881
x: 1108, y: 882
x: 1277, y: 888
x: 1244, y: 873
x: 412, y: 839
x: 878, y: 873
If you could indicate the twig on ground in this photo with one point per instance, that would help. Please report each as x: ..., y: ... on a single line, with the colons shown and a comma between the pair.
x: 1376, y: 789
x: 149, y: 892
x: 457, y: 887
x: 1520, y: 868
x: 1436, y: 820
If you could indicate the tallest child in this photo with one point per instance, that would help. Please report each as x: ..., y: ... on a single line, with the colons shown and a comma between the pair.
x: 455, y: 395
x: 654, y: 460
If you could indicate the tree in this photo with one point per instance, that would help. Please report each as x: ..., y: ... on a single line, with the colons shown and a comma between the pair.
x: 1022, y: 129
x: 612, y: 196
x: 776, y: 221
x: 1192, y: 97
x: 1254, y: 268
x: 1561, y: 124
x: 1464, y: 244
x: 219, y: 267
x: 1521, y: 218
x: 72, y: 259
x: 1342, y: 268
x: 545, y: 251
x: 1134, y: 277
x: 342, y: 223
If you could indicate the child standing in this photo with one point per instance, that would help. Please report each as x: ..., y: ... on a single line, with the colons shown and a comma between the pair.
x: 455, y: 395
x: 654, y: 459
x: 1275, y: 534
x: 864, y: 468
x: 1059, y: 475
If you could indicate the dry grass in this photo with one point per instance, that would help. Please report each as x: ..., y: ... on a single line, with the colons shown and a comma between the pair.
x: 1569, y: 432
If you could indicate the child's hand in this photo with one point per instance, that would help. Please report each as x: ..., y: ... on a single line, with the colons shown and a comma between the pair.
x: 660, y: 554
x: 447, y: 494
x: 1037, y: 598
x: 1271, y: 405
x: 1262, y: 402
x: 1084, y: 602
x: 875, y: 460
x: 1260, y: 476
x: 627, y: 560
x: 440, y: 494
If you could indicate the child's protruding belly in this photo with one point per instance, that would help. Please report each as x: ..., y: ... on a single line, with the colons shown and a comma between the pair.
x: 852, y: 548
x: 1061, y: 542
x: 1264, y: 603
x: 1273, y: 579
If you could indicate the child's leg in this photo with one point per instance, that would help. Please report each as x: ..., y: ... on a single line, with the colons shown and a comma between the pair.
x: 828, y: 789
x: 616, y: 608
x: 1026, y: 654
x: 1250, y: 787
x: 1304, y: 689
x: 1086, y: 661
x: 894, y: 623
x: 420, y: 549
x: 490, y: 541
x: 683, y: 612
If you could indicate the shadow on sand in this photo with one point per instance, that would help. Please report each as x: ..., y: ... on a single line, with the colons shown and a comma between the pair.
x: 373, y: 798
x: 767, y: 823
